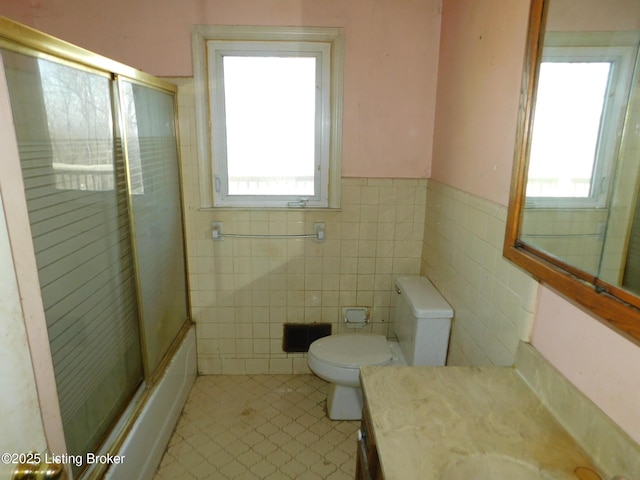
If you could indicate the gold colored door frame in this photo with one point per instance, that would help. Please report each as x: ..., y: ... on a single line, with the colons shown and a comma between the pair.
x: 151, y: 376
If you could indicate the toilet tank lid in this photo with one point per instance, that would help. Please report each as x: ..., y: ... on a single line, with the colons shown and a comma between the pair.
x: 423, y: 298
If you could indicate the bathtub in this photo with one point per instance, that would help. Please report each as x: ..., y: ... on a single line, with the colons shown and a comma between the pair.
x: 147, y: 440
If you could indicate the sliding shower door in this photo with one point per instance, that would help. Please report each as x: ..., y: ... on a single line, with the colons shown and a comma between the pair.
x: 152, y: 157
x: 76, y: 190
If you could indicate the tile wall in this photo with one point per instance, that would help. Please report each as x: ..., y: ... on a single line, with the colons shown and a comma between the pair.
x: 493, y: 300
x: 244, y: 290
x: 574, y: 235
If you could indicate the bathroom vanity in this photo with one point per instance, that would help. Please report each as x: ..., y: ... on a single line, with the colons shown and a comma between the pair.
x: 455, y: 423
x: 367, y: 460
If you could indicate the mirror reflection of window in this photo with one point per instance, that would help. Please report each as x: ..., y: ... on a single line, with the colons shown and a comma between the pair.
x: 569, y: 110
x: 78, y: 111
x: 576, y: 150
x: 581, y: 102
x: 134, y: 156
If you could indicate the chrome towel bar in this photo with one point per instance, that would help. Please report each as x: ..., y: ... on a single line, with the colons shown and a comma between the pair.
x: 318, y: 235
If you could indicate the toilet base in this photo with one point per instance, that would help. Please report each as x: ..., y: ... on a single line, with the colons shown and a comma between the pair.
x: 344, y: 403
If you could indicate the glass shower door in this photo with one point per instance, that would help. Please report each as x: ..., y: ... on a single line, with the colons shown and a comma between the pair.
x: 152, y: 158
x: 78, y: 212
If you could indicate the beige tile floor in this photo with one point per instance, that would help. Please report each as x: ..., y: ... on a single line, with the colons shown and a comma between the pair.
x: 259, y: 427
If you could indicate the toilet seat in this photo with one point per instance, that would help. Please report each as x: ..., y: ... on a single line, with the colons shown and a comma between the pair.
x: 337, y: 359
x: 352, y: 350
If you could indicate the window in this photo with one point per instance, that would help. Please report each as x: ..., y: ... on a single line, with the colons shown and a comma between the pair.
x: 269, y: 119
x: 580, y: 107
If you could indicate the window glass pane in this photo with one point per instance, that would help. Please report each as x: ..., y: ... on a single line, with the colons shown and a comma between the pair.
x: 569, y: 109
x: 270, y: 107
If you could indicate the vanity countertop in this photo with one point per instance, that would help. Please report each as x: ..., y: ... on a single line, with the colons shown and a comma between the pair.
x: 427, y: 419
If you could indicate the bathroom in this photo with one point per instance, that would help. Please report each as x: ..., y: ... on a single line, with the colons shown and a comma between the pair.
x: 431, y: 96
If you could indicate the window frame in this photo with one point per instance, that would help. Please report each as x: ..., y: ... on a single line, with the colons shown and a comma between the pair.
x: 209, y: 42
x: 563, y: 47
x: 216, y: 51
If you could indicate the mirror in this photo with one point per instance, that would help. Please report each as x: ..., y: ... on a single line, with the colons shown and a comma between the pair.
x: 574, y: 214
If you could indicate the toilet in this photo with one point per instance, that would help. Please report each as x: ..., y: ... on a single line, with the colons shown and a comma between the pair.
x: 422, y: 326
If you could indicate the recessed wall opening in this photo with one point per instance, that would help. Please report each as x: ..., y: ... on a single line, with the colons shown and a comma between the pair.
x: 298, y: 336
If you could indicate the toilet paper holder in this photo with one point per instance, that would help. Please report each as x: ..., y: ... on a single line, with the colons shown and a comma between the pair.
x: 356, y: 317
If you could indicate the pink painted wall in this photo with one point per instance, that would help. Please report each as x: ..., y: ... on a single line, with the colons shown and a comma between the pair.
x: 481, y: 56
x: 592, y: 356
x: 390, y: 59
x: 17, y: 10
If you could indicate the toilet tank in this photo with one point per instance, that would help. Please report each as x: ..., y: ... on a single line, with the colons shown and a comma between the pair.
x: 422, y: 321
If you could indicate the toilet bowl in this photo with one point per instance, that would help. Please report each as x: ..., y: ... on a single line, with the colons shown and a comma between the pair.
x: 338, y: 358
x: 422, y: 325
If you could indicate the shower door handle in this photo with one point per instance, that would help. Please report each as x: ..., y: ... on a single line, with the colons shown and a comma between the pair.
x: 29, y: 470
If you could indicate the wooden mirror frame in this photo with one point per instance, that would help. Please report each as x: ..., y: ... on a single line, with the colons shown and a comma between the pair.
x: 616, y: 307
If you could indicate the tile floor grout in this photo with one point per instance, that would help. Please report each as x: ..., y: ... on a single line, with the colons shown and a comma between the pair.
x: 259, y: 427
